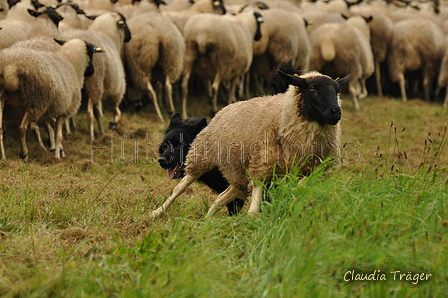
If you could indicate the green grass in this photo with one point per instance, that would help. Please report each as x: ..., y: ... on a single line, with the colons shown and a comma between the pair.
x: 79, y: 229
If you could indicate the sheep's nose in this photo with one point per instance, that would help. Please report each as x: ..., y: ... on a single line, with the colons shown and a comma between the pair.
x: 335, y: 111
x: 162, y: 159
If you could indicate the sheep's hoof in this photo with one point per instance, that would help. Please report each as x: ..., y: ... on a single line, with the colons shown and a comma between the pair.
x: 23, y: 156
x: 112, y: 125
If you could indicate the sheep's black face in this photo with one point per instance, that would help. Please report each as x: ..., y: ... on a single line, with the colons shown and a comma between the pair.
x: 321, y: 101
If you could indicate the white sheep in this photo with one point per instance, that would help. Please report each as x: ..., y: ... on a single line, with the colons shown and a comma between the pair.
x: 416, y: 44
x: 155, y: 54
x: 43, y: 86
x: 380, y: 32
x: 108, y: 31
x: 337, y: 50
x: 219, y: 48
x: 255, y: 139
x: 180, y: 18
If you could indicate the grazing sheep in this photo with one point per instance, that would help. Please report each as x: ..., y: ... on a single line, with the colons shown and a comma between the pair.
x: 255, y: 139
x: 43, y: 86
x: 337, y: 50
x: 416, y: 44
x: 108, y: 31
x: 155, y: 53
x: 212, y: 42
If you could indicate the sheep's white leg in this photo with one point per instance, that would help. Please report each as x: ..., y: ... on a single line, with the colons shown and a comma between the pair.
x: 177, y: 191
x: 152, y: 94
x: 98, y: 113
x: 232, y: 89
x: 2, y: 104
x: 169, y: 94
x: 90, y: 118
x: 402, y: 82
x: 353, y: 89
x: 59, y: 123
x: 426, y: 85
x: 184, y: 85
x: 364, y: 93
x: 36, y: 129
x: 22, y: 129
x: 379, y: 86
x: 215, y: 88
x: 68, y: 131
x: 227, y: 196
x: 257, y: 191
x: 50, y: 131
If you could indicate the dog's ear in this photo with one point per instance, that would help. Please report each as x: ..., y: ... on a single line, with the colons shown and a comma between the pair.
x: 176, y: 117
x: 200, y: 125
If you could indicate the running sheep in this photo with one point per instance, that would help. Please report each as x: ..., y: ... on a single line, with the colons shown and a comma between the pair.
x: 43, y: 87
x: 255, y: 139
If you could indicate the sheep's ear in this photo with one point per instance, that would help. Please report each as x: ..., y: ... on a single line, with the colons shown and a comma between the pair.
x: 293, y: 80
x: 92, y: 18
x: 175, y: 117
x: 342, y: 82
x: 200, y: 125
x: 61, y: 42
x: 33, y: 13
x: 160, y: 2
x: 369, y: 19
x: 262, y: 5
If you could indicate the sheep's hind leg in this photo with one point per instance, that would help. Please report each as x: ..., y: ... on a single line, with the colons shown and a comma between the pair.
x: 152, y: 94
x: 90, y: 115
x: 59, y: 123
x: 36, y: 129
x: 169, y: 94
x: 98, y: 113
x: 22, y: 129
x: 177, y: 191
x: 215, y: 88
x: 227, y: 196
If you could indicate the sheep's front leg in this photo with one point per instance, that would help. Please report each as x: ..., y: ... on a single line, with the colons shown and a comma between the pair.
x: 22, y: 129
x: 215, y: 87
x: 227, y: 196
x: 90, y: 116
x: 257, y: 191
x: 177, y: 191
x: 402, y: 82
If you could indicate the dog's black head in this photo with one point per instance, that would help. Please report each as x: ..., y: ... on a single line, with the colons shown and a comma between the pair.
x: 178, y: 137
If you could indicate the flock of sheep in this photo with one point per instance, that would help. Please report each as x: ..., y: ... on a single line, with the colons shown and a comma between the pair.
x: 156, y: 48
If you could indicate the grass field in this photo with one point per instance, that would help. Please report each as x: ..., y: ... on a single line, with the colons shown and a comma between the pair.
x: 78, y: 227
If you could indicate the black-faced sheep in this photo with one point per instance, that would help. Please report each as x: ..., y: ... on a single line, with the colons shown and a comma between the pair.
x: 44, y: 86
x: 251, y: 140
x: 108, y: 31
x: 416, y: 44
x: 219, y: 48
x: 155, y: 54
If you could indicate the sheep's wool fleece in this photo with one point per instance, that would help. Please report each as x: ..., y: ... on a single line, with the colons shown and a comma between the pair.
x: 254, y: 135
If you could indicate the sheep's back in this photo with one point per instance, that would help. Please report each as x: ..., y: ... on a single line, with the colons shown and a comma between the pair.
x: 234, y: 137
x: 47, y: 84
